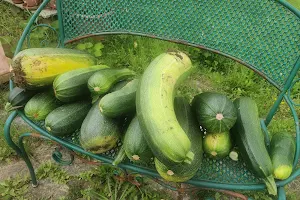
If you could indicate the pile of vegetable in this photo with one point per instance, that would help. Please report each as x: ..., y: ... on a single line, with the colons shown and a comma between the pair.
x: 67, y: 90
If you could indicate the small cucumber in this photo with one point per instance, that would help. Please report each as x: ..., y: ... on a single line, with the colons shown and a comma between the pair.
x: 282, y: 151
x: 102, y: 81
x: 120, y: 102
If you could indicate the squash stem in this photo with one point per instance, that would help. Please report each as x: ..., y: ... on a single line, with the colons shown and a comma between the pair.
x: 120, y: 157
x: 271, y: 185
x: 189, y: 157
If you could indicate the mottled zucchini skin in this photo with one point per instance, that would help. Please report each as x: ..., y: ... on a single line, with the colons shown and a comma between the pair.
x: 98, y: 133
x: 67, y: 118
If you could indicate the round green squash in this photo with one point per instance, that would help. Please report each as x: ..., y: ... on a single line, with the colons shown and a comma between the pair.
x: 215, y: 112
x: 217, y: 145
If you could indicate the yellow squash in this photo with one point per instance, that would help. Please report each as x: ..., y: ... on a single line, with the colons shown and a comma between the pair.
x: 38, y: 67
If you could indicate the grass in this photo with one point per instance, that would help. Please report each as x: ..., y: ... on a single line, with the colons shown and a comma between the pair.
x: 213, y: 73
x: 295, y: 3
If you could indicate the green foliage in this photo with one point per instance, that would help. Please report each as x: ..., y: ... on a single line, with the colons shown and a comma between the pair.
x: 295, y: 3
x: 14, y: 188
x: 53, y: 172
x: 92, y: 48
x: 92, y: 45
x: 258, y: 195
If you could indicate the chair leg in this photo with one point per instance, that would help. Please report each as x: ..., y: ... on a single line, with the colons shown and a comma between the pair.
x: 27, y: 160
x: 281, y: 193
x: 19, y: 150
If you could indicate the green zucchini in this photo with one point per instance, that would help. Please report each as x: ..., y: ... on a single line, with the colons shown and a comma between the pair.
x: 102, y: 81
x: 155, y: 110
x: 72, y: 85
x: 217, y: 145
x: 67, y: 118
x: 215, y: 112
x: 98, y: 133
x: 135, y: 145
x: 40, y: 105
x: 282, y: 152
x: 120, y: 102
x: 18, y: 97
x: 249, y: 138
x: 183, y: 171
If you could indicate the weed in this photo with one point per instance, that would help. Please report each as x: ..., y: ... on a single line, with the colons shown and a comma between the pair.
x: 14, y: 188
x: 53, y: 172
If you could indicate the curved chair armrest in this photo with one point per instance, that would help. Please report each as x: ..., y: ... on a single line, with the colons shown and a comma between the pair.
x: 297, y: 128
x: 28, y: 27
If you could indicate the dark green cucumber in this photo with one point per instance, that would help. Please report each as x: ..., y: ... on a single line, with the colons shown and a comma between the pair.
x: 72, y: 85
x: 18, y: 97
x: 67, y: 118
x: 98, y: 133
x: 102, y: 81
x: 40, y: 105
x: 120, y: 102
x: 282, y: 152
x: 215, y: 112
x: 183, y: 172
x: 249, y: 137
x: 217, y: 145
x: 135, y: 145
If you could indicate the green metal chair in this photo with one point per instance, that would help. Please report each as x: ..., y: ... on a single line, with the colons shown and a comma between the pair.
x: 263, y: 35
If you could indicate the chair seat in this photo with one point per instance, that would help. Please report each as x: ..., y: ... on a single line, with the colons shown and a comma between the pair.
x: 224, y: 171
